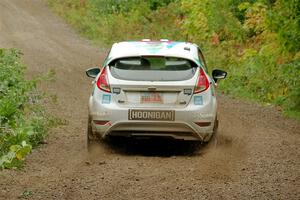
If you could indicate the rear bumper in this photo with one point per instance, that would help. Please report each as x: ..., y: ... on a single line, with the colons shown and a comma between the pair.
x: 176, y: 130
x: 184, y: 126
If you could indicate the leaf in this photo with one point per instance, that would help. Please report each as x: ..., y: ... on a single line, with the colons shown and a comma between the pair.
x: 24, y: 143
x: 14, y: 148
x: 243, y: 6
x: 21, y: 154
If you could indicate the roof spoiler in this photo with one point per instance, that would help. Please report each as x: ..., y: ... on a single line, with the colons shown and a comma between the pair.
x: 149, y: 40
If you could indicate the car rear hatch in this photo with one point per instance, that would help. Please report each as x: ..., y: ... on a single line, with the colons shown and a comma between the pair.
x: 152, y: 81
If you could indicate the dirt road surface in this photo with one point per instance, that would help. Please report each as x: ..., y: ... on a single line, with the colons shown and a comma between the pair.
x: 256, y: 154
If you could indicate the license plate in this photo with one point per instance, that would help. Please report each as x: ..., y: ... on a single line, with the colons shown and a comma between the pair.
x: 155, y: 115
x: 151, y: 97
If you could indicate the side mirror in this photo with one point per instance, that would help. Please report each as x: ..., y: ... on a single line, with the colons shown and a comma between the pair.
x: 92, y: 72
x: 218, y: 74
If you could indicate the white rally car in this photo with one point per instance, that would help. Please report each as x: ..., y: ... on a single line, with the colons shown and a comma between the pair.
x: 153, y: 89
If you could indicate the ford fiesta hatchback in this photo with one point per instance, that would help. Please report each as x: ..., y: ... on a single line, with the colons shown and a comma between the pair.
x: 153, y: 89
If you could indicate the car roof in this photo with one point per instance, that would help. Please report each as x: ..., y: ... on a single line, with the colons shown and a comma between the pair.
x: 154, y: 48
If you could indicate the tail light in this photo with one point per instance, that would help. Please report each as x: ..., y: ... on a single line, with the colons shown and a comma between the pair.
x: 102, y: 81
x: 202, y: 82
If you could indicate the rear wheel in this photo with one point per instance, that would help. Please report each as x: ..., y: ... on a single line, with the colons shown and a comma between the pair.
x: 212, y: 137
x: 91, y: 138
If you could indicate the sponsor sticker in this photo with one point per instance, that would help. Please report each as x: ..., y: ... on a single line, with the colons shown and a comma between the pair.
x: 106, y: 99
x: 198, y: 100
x: 156, y: 115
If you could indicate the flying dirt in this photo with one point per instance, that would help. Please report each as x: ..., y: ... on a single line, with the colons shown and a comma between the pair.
x: 255, y: 155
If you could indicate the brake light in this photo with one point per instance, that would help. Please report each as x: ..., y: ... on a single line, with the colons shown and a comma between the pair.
x: 102, y: 81
x: 202, y: 82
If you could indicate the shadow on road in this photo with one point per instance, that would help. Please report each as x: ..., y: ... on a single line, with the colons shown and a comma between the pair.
x: 161, y: 147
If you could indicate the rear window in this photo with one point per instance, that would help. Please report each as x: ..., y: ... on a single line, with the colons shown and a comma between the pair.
x: 153, y: 69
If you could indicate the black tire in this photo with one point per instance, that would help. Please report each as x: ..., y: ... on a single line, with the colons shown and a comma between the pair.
x: 213, y: 136
x: 91, y: 139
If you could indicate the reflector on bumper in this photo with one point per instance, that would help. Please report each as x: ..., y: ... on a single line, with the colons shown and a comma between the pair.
x: 100, y: 122
x: 202, y: 124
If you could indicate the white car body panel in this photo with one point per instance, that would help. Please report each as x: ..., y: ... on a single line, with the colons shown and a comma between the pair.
x: 188, y: 109
x: 168, y: 49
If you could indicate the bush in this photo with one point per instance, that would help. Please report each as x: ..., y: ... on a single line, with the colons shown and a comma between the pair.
x: 22, y: 119
x: 257, y: 42
x: 115, y: 20
x: 284, y: 19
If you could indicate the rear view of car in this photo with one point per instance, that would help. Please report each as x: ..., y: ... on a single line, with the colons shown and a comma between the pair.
x: 153, y: 89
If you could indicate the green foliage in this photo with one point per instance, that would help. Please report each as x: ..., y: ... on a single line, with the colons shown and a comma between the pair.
x: 284, y: 19
x: 256, y: 41
x: 108, y: 21
x: 206, y: 17
x: 23, y: 122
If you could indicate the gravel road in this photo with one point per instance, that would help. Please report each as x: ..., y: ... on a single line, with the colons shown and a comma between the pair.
x: 256, y: 154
